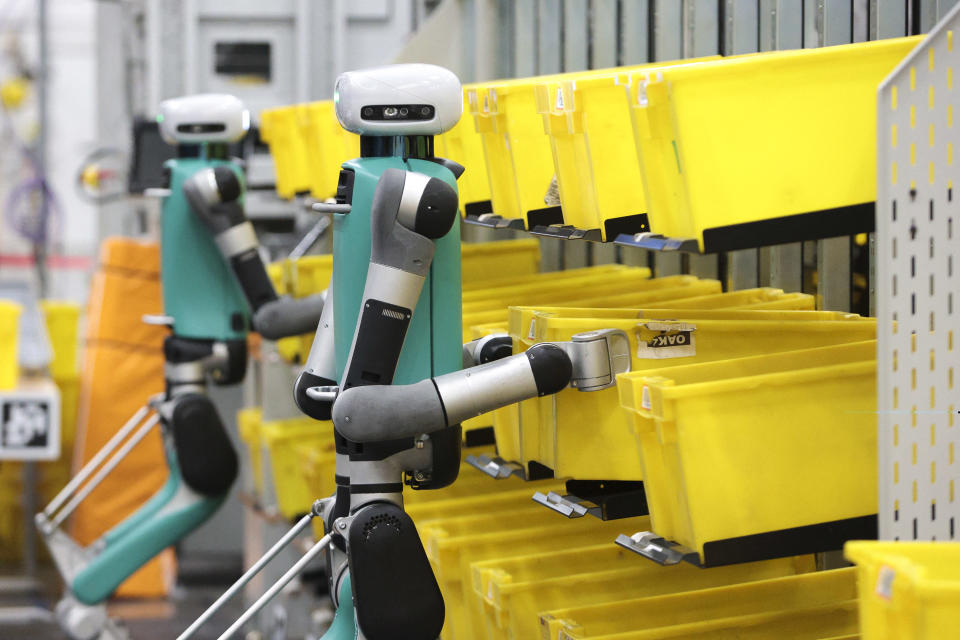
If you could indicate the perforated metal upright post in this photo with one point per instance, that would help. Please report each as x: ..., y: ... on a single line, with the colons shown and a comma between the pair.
x: 918, y: 291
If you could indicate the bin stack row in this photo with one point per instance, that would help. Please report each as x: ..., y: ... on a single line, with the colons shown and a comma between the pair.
x: 62, y: 321
x: 741, y: 497
x: 733, y: 152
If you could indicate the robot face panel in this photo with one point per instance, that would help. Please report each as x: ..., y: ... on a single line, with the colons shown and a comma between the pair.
x: 399, y: 100
x: 205, y: 117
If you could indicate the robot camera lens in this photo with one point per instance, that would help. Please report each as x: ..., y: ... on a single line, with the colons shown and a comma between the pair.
x: 403, y: 111
x: 425, y: 111
x: 367, y: 111
x: 389, y: 112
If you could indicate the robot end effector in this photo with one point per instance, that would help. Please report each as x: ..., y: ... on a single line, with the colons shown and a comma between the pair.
x: 214, y: 196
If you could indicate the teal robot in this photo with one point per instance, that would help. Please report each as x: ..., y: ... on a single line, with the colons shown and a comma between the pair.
x: 388, y: 365
x: 215, y: 291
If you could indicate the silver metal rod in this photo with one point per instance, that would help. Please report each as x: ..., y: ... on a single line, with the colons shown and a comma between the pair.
x: 324, y: 207
x: 95, y: 461
x: 105, y: 470
x: 310, y: 238
x: 277, y: 586
x: 247, y: 577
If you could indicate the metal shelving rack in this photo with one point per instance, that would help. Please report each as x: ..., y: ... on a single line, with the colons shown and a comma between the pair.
x: 917, y: 290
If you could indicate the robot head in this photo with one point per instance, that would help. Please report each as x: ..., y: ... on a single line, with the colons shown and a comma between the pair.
x: 399, y: 100
x: 205, y: 117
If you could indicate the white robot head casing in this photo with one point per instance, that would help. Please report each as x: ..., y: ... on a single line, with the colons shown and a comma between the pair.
x: 205, y: 117
x: 399, y: 100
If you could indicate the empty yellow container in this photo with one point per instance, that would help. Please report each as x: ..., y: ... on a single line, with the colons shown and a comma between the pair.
x: 907, y: 589
x: 282, y: 439
x: 453, y: 547
x: 248, y: 425
x: 62, y: 320
x: 791, y: 624
x: 788, y: 458
x: 484, y: 261
x: 9, y: 347
x: 463, y: 145
x: 319, y: 126
x: 587, y: 119
x: 662, y: 476
x: 280, y: 129
x: 509, y: 281
x: 514, y: 591
x: 756, y: 140
x: 801, y: 591
x: 593, y: 453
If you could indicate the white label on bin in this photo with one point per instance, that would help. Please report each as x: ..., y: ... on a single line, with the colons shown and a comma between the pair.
x: 885, y: 582
x: 559, y: 99
x: 659, y: 340
x: 532, y: 333
x: 645, y: 397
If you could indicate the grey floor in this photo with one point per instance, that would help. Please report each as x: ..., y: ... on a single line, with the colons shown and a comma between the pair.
x: 144, y: 619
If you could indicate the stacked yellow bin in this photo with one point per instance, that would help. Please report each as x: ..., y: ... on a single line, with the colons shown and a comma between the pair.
x: 796, y: 130
x: 907, y: 589
x: 463, y: 145
x: 11, y: 521
x: 62, y: 320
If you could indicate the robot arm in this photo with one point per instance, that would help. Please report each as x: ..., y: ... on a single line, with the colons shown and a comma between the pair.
x: 589, y: 362
x: 409, y: 210
x: 214, y: 196
x: 202, y: 467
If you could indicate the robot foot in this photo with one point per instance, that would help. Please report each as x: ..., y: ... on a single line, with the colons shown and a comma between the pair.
x: 83, y: 622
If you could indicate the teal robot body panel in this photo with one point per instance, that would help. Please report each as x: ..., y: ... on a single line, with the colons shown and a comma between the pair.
x: 200, y: 292
x: 433, y: 344
x: 163, y: 521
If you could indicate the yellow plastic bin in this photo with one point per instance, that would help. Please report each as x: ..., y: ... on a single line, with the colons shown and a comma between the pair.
x: 282, y: 439
x: 571, y: 284
x: 588, y: 453
x: 796, y: 130
x: 587, y: 119
x: 801, y: 591
x: 514, y: 591
x: 463, y: 145
x: 791, y: 624
x: 317, y: 121
x: 453, y: 546
x: 907, y: 589
x: 484, y: 261
x: 788, y: 458
x: 62, y: 320
x: 248, y: 425
x: 511, y: 280
x: 9, y: 347
x: 334, y: 146
x: 279, y: 128
x: 662, y: 477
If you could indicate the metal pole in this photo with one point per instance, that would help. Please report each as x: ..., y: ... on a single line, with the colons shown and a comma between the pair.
x: 105, y: 471
x: 39, y: 248
x: 277, y: 586
x: 40, y: 258
x: 95, y: 461
x: 247, y: 577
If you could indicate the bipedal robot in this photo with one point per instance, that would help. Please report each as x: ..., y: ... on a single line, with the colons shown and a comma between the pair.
x: 215, y: 290
x: 387, y: 364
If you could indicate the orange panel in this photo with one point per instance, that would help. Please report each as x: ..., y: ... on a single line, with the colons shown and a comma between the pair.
x: 123, y: 367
